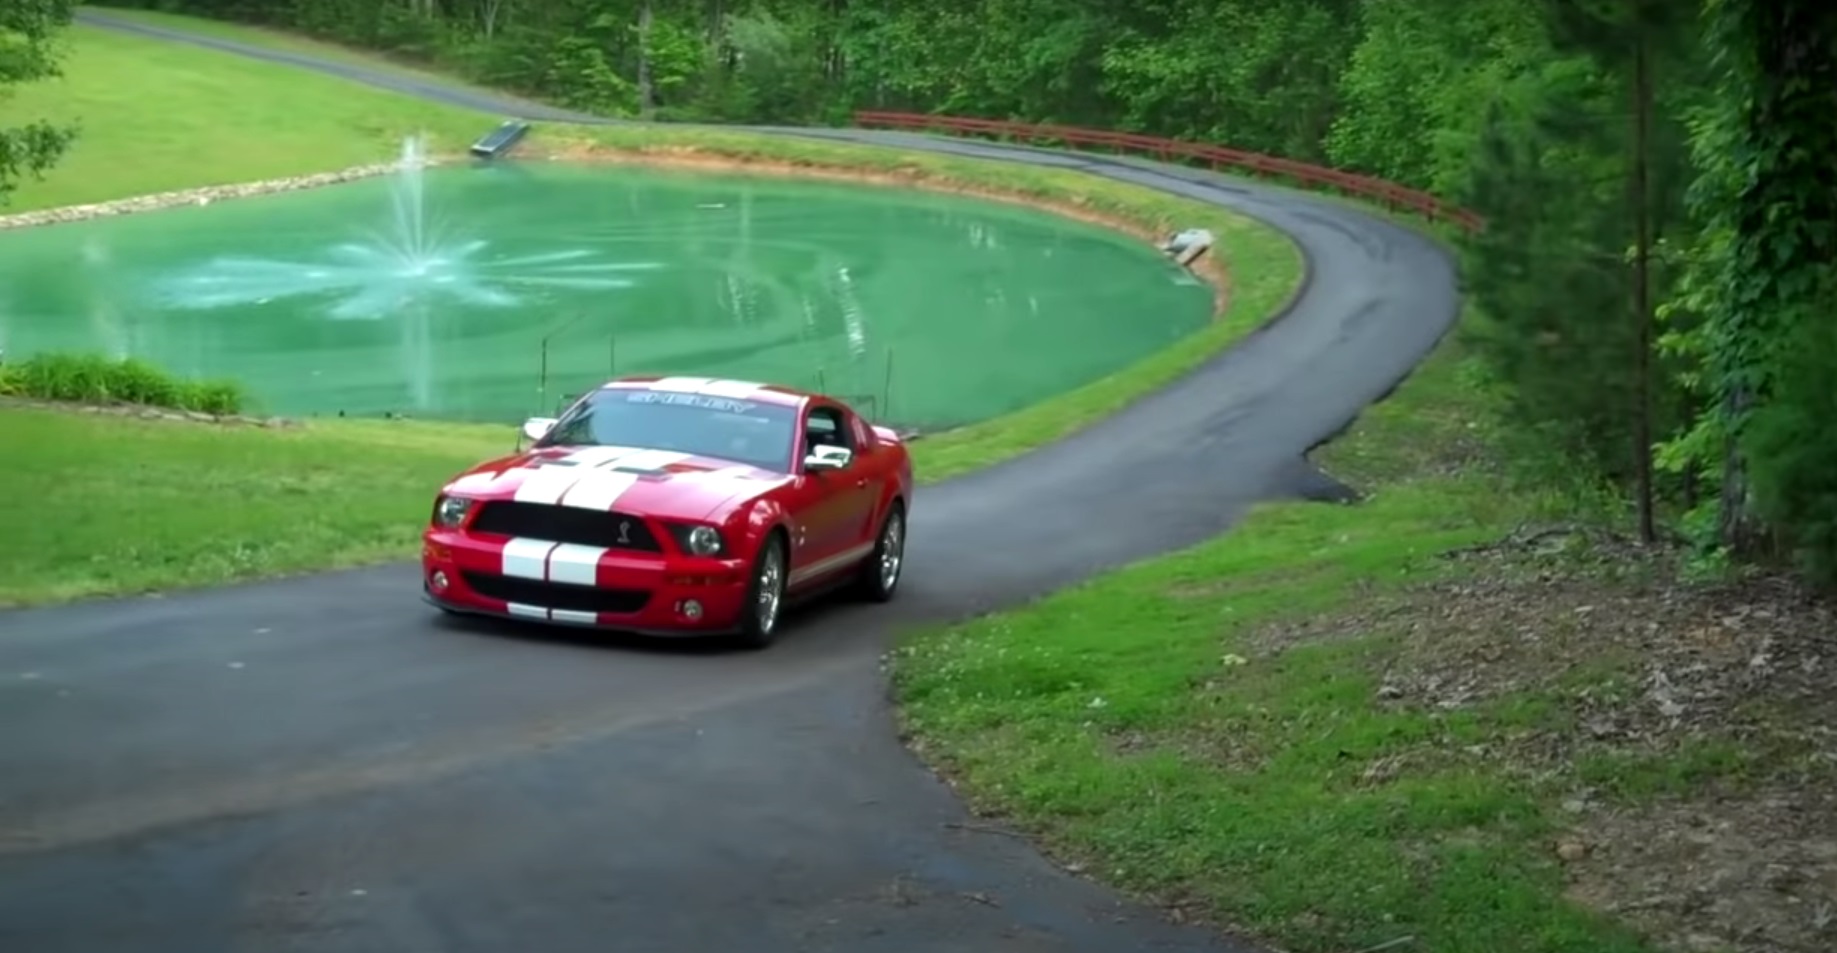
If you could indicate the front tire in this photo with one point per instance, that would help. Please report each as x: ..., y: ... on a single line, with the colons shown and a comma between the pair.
x: 880, y: 573
x: 765, y: 596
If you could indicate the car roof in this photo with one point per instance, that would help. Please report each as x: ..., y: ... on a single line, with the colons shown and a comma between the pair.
x: 714, y: 387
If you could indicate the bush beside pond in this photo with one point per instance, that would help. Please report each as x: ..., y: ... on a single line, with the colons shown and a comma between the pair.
x: 94, y: 379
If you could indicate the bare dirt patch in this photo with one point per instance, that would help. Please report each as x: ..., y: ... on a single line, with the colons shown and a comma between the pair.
x: 1207, y: 267
x: 1688, y: 741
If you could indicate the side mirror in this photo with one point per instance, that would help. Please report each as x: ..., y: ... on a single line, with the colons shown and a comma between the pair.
x: 829, y: 458
x: 536, y: 428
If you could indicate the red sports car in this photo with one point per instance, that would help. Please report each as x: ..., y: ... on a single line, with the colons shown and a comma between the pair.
x: 678, y: 505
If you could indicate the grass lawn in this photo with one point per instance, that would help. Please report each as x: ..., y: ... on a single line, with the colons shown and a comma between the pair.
x: 284, y: 42
x: 158, y: 116
x: 229, y: 119
x: 1327, y: 730
x: 178, y: 504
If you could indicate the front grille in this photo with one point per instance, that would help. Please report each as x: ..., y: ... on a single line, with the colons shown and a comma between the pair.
x: 565, y: 524
x: 556, y: 595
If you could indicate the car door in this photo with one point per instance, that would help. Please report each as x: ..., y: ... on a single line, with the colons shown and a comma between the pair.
x: 831, y: 504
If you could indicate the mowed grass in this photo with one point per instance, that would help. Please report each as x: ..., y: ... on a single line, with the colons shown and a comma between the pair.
x: 100, y: 504
x: 225, y: 119
x: 281, y: 41
x: 157, y: 116
x: 1140, y: 726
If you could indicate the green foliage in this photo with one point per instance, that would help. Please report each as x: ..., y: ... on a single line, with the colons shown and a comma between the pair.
x: 28, y: 53
x: 1761, y: 276
x: 1792, y: 456
x: 91, y: 379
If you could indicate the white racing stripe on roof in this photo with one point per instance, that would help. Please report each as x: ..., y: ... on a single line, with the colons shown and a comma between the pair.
x: 739, y: 390
x: 708, y: 386
x: 687, y: 385
x: 598, y: 489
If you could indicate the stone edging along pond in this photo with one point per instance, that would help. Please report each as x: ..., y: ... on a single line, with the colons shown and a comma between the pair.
x: 198, y: 196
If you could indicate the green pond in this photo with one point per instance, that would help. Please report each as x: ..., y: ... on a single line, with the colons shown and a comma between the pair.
x: 494, y: 292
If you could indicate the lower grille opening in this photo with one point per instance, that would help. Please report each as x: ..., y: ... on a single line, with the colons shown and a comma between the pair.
x: 556, y: 595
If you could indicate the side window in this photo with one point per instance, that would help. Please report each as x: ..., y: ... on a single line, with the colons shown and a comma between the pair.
x: 824, y: 428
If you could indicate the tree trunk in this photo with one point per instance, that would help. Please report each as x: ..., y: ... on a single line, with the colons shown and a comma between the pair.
x: 647, y: 99
x: 1642, y: 286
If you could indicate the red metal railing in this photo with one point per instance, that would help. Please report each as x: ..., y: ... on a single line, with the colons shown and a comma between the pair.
x: 1388, y: 194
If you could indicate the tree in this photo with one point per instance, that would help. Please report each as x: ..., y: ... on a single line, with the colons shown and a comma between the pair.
x: 28, y: 52
x: 1768, y: 194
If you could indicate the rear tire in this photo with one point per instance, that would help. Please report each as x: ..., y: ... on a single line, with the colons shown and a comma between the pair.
x: 761, y: 614
x: 883, y: 568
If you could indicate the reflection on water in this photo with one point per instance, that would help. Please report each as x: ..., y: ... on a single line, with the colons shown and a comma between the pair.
x: 477, y: 293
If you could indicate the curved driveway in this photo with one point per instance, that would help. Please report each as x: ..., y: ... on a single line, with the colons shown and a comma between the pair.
x: 320, y: 764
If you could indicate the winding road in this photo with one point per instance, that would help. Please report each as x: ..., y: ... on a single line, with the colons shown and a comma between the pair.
x: 323, y: 764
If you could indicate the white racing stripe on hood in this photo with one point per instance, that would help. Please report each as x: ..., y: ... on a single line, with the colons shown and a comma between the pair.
x: 598, y: 489
x: 473, y: 482
x: 598, y: 456
x: 547, y: 484
x: 649, y: 460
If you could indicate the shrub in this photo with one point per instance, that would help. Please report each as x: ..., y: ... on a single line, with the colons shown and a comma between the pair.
x: 93, y: 379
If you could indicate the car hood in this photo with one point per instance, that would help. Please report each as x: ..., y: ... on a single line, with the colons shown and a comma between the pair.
x: 634, y: 480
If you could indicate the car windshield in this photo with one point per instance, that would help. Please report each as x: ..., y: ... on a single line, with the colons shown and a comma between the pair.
x: 745, y: 431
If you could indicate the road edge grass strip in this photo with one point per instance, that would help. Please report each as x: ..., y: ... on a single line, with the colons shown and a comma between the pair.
x: 1150, y: 727
x: 1258, y: 270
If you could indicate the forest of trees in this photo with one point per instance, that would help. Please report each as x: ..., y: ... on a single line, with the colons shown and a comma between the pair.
x: 1657, y: 176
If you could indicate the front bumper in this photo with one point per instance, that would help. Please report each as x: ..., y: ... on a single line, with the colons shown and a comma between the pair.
x: 645, y: 593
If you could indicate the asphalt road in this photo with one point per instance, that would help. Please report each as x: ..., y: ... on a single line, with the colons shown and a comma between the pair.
x: 323, y: 764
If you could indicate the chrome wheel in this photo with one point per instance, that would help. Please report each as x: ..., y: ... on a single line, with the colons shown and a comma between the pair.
x: 771, y: 590
x: 892, y: 550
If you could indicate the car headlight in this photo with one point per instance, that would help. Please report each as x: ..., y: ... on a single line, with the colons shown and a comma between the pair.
x: 699, y: 540
x: 450, y: 511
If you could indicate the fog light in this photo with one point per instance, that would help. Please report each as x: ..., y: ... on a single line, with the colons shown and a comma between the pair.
x: 690, y: 609
x: 439, y: 581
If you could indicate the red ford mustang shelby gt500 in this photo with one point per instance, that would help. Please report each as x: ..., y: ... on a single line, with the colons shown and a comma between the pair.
x: 675, y: 505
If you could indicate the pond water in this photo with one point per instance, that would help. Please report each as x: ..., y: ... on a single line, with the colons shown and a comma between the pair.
x: 493, y: 292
